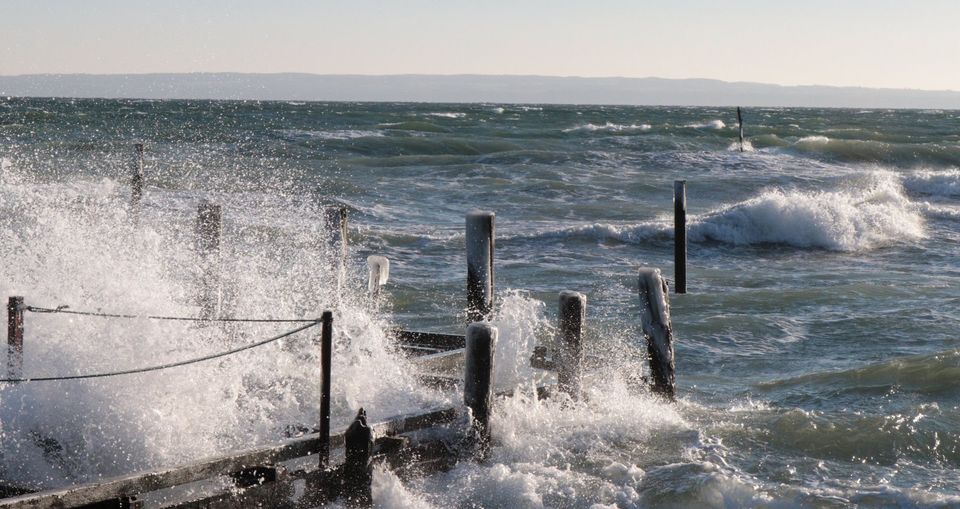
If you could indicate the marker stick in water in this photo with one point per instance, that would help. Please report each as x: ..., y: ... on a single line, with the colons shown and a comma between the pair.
x: 680, y: 235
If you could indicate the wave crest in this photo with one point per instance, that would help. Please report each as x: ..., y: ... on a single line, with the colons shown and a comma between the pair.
x: 850, y: 220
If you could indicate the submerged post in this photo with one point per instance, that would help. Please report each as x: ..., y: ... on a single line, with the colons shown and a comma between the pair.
x: 326, y: 364
x: 379, y: 268
x: 655, y: 318
x: 480, y: 249
x: 15, y: 337
x: 209, y: 228
x: 680, y: 235
x: 572, y: 314
x: 136, y: 182
x: 740, y: 124
x: 336, y: 224
x: 478, y: 379
x: 357, y: 474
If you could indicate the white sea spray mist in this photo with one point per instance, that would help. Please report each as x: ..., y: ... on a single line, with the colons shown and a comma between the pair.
x: 72, y: 243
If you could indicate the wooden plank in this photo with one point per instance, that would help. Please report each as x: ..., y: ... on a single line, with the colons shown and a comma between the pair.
x: 142, y: 482
x: 430, y: 339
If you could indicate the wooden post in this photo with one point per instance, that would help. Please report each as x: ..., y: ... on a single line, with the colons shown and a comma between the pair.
x: 572, y: 314
x: 336, y: 224
x: 326, y: 364
x: 478, y: 379
x: 680, y: 235
x: 379, y: 268
x: 357, y: 474
x: 480, y: 249
x: 209, y: 228
x: 740, y: 123
x: 655, y: 318
x: 15, y: 337
x: 136, y: 182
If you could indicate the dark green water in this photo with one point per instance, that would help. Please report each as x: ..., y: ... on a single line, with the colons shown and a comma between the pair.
x: 817, y: 348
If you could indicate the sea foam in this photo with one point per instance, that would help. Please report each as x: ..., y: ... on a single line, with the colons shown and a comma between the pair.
x: 847, y: 220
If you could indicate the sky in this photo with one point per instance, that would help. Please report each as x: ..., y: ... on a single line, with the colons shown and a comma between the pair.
x: 870, y: 43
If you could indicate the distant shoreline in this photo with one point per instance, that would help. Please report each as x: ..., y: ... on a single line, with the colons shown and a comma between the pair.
x: 459, y: 89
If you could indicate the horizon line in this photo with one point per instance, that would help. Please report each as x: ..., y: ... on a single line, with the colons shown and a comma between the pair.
x: 452, y: 75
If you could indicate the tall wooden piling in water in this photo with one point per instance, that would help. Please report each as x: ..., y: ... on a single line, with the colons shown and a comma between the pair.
x: 209, y: 230
x: 680, y: 235
x: 136, y: 182
x: 740, y: 124
x: 326, y: 365
x: 480, y: 251
x: 571, y: 318
x: 335, y: 221
x: 15, y: 309
x: 658, y: 330
x: 478, y: 379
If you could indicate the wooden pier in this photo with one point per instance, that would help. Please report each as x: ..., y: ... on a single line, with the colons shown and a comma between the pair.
x: 339, y: 462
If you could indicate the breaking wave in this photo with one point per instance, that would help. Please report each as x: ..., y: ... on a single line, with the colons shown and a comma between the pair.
x: 609, y: 126
x: 848, y: 220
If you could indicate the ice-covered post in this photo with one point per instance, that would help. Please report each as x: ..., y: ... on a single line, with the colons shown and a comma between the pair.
x: 478, y: 379
x: 209, y: 228
x: 655, y: 318
x: 326, y: 364
x: 572, y: 314
x: 136, y: 182
x: 357, y: 474
x: 15, y: 309
x: 680, y: 235
x: 480, y: 248
x: 379, y: 268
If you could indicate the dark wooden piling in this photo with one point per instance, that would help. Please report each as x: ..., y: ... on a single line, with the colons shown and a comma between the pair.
x: 658, y: 330
x: 480, y: 251
x: 680, y: 235
x: 740, y: 124
x: 209, y: 228
x: 478, y: 380
x: 335, y: 219
x: 136, y: 182
x: 571, y: 317
x: 15, y: 309
x: 357, y: 474
x: 326, y: 364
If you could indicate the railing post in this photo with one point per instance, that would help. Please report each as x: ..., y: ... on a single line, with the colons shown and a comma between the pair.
x: 326, y: 362
x: 572, y: 314
x: 478, y: 379
x: 136, y: 182
x: 357, y: 476
x: 680, y: 235
x: 655, y: 318
x: 15, y: 309
x: 209, y: 228
x: 379, y: 268
x: 480, y: 251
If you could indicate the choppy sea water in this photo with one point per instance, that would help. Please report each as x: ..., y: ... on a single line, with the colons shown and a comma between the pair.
x: 817, y: 348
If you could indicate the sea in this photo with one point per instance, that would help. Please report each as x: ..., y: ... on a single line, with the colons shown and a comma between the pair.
x: 817, y: 346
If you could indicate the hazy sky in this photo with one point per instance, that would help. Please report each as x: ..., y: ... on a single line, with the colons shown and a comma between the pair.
x: 875, y: 43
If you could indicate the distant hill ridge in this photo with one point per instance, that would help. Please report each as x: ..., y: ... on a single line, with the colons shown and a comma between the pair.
x: 466, y: 88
